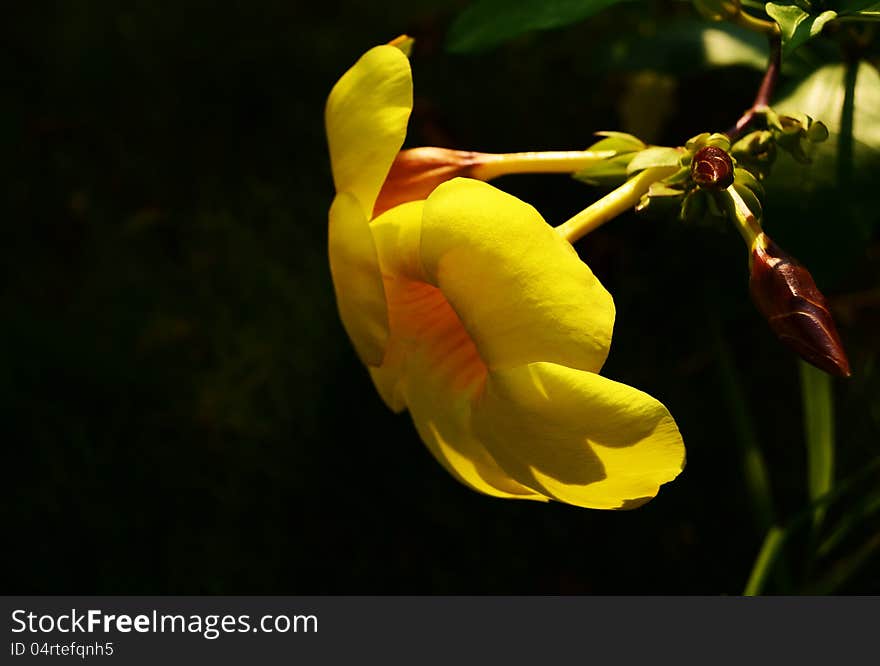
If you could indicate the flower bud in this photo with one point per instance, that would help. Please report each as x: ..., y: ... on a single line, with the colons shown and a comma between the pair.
x: 786, y: 295
x: 417, y: 172
x: 712, y: 168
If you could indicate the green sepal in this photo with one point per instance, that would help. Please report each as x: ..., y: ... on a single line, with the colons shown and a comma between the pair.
x: 610, y: 172
x: 744, y: 178
x: 655, y: 156
x: 619, y: 142
x: 756, y: 152
x: 817, y: 132
x: 680, y: 177
x: 661, y: 199
x: 704, y: 139
x: 752, y: 201
x: 713, y: 208
x: 693, y: 144
x: 719, y: 140
x: 695, y: 206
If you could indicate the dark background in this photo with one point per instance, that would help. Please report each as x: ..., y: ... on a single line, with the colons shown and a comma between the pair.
x: 181, y: 409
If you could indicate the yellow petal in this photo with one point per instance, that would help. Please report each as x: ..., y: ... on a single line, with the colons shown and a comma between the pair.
x: 397, y: 234
x: 578, y: 437
x: 441, y: 412
x: 357, y: 280
x: 366, y: 117
x: 431, y: 365
x: 520, y: 289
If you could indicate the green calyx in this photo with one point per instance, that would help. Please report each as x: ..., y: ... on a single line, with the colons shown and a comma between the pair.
x: 687, y: 193
x: 791, y: 133
x: 693, y: 197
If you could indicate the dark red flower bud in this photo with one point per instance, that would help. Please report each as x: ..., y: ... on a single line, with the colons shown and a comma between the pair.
x: 712, y: 167
x: 784, y: 292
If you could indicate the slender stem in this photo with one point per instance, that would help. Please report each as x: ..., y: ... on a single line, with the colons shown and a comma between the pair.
x: 755, y: 24
x: 746, y: 222
x: 551, y: 161
x: 818, y: 407
x: 770, y: 550
x: 612, y: 204
x: 765, y: 91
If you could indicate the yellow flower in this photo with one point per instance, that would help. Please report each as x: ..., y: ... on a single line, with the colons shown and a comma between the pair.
x: 480, y: 319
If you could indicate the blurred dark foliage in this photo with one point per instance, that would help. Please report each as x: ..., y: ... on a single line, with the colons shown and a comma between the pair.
x: 181, y: 409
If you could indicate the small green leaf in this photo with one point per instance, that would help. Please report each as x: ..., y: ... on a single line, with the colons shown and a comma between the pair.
x: 751, y: 200
x: 488, y: 23
x: 656, y: 156
x: 619, y: 142
x: 796, y: 25
x: 745, y: 178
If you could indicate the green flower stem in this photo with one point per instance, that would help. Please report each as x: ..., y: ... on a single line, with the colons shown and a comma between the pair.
x: 770, y: 550
x: 612, y: 204
x: 765, y: 91
x: 750, y: 22
x: 818, y: 407
x: 745, y: 220
x: 551, y: 161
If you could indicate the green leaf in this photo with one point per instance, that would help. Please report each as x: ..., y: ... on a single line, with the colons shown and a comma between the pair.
x: 619, y: 142
x: 488, y: 23
x: 767, y: 556
x: 823, y: 96
x: 796, y: 25
x: 681, y: 45
x: 840, y: 184
x: 818, y: 406
x: 656, y: 156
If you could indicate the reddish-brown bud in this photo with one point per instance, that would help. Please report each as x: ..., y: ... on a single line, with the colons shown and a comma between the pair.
x: 784, y: 292
x: 416, y: 172
x: 712, y: 167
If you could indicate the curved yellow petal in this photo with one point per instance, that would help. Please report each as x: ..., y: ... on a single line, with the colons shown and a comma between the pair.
x: 397, y: 234
x: 366, y: 116
x: 441, y: 413
x: 578, y: 437
x: 520, y: 289
x: 357, y: 280
x: 431, y: 365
